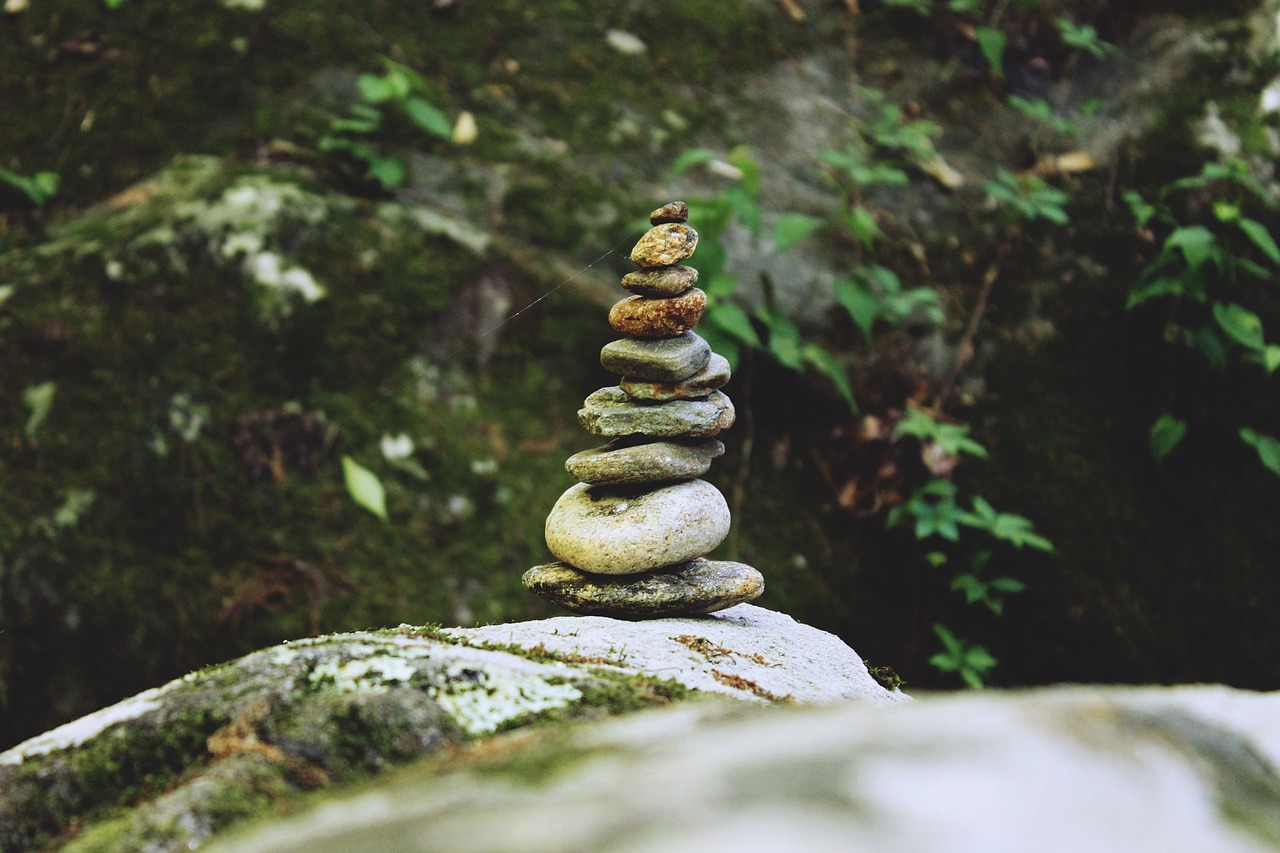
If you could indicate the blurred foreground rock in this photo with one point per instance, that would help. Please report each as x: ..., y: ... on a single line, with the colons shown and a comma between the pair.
x: 1072, y: 769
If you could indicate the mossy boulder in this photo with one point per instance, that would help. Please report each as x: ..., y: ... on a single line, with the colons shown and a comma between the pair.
x: 177, y: 764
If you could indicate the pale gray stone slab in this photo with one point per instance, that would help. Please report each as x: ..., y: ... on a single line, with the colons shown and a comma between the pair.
x: 654, y: 461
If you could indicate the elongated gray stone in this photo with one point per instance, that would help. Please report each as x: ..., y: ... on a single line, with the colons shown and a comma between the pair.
x: 688, y: 589
x: 619, y: 530
x: 661, y: 281
x: 663, y: 359
x: 708, y: 379
x: 611, y: 411
x: 620, y: 462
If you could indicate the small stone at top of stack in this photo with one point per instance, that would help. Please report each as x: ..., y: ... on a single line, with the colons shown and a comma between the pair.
x: 631, y: 535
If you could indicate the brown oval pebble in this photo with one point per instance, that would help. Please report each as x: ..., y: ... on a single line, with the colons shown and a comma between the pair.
x: 672, y: 211
x: 647, y: 317
x: 663, y: 245
x: 662, y: 281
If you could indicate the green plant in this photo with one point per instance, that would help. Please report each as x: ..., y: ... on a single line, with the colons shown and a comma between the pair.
x: 1029, y: 196
x: 398, y: 91
x: 934, y: 512
x: 726, y: 324
x: 1082, y: 37
x: 1212, y: 260
x: 38, y: 188
x: 968, y: 661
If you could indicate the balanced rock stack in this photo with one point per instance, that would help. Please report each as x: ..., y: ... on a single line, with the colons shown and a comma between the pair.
x: 631, y: 535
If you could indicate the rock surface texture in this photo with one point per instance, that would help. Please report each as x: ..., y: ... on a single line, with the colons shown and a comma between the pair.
x: 175, y: 765
x: 1055, y: 771
x: 631, y: 535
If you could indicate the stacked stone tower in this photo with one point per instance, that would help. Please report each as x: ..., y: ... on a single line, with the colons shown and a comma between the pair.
x: 631, y: 535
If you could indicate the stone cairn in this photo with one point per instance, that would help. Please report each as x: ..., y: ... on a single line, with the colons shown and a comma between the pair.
x: 631, y: 535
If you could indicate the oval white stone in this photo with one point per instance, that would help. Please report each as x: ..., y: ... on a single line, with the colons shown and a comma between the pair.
x: 612, y: 530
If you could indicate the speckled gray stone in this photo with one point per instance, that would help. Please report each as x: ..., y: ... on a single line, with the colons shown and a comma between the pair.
x: 663, y: 359
x: 626, y: 462
x: 611, y: 411
x: 665, y: 244
x: 688, y: 589
x: 619, y: 530
x: 708, y: 379
x: 661, y: 281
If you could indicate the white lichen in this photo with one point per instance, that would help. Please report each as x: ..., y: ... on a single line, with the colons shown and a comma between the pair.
x: 79, y: 731
x: 480, y: 698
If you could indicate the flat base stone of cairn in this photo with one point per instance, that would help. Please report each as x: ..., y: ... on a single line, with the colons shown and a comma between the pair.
x: 694, y: 588
x: 623, y: 461
x: 619, y: 530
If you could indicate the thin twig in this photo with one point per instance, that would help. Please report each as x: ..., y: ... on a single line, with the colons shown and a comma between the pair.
x: 964, y: 348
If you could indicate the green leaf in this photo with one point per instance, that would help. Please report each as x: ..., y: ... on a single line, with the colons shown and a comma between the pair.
x: 388, y: 171
x: 1260, y: 237
x: 745, y: 207
x: 791, y: 228
x: 1142, y: 212
x: 1267, y: 447
x: 1160, y: 286
x: 863, y: 225
x: 74, y: 506
x: 39, y: 399
x: 1241, y: 325
x: 364, y: 487
x: 860, y: 302
x: 1166, y: 432
x: 428, y: 117
x: 691, y: 157
x: 374, y: 89
x: 784, y: 340
x: 992, y: 43
x: 742, y: 158
x: 1198, y: 244
x: 733, y: 320
x: 1270, y: 356
x: 6, y: 291
x: 830, y: 368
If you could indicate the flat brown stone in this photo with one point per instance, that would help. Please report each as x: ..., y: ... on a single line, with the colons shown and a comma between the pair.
x: 688, y: 589
x: 650, y: 317
x: 672, y: 211
x: 661, y: 281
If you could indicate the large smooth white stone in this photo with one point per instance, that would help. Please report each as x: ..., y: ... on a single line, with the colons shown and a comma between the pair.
x: 613, y: 530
